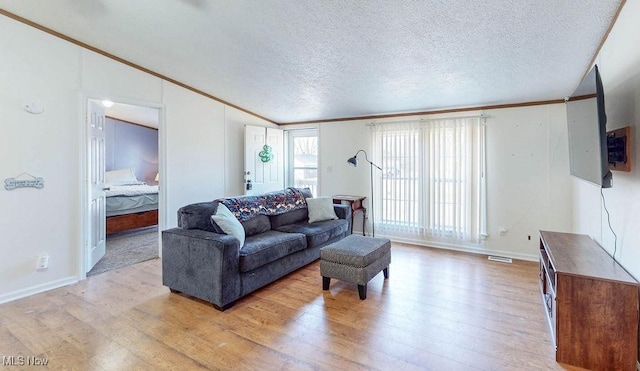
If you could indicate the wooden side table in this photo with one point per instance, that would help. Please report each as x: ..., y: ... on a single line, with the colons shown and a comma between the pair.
x: 356, y: 205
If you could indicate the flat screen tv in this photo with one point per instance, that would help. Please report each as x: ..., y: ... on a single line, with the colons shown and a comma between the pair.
x: 587, y: 123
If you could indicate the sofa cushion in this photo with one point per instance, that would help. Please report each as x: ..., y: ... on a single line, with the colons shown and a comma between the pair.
x: 256, y: 225
x: 198, y: 216
x: 318, y: 233
x: 291, y: 217
x: 269, y: 246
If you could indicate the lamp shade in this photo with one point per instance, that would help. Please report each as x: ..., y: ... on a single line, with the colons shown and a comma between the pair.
x: 157, y: 177
x: 353, y: 161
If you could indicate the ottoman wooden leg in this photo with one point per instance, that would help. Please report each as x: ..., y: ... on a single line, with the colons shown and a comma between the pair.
x: 325, y: 283
x: 386, y: 272
x: 362, y: 291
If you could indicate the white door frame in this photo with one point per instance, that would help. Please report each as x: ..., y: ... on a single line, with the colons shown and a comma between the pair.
x: 84, y: 194
x: 290, y: 136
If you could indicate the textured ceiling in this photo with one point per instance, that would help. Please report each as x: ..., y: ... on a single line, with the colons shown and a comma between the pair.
x: 300, y: 60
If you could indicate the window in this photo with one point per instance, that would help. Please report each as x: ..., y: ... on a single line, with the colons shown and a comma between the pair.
x: 431, y: 182
x: 303, y: 159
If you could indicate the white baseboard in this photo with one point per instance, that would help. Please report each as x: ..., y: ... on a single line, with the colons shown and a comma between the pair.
x: 463, y: 248
x: 37, y: 289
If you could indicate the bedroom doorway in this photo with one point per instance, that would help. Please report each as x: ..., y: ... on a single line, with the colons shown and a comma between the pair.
x: 123, y: 162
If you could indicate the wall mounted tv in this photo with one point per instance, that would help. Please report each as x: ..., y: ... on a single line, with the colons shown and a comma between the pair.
x: 586, y: 119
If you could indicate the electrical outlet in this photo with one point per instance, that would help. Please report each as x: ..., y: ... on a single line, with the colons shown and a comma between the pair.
x: 43, y: 262
x: 502, y: 230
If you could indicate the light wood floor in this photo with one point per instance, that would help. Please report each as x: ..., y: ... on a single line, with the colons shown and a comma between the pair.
x: 439, y: 310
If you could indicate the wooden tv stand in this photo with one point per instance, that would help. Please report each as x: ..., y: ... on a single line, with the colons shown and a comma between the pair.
x: 591, y: 303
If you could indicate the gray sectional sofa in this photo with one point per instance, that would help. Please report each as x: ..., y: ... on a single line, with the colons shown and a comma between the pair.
x: 199, y: 260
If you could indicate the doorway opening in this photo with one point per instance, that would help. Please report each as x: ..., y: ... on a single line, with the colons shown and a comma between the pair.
x: 124, y: 168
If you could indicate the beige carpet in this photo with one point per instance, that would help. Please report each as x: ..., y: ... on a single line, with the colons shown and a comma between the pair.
x: 126, y: 248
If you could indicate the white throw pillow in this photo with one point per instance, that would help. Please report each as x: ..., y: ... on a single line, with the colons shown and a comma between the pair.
x: 121, y: 176
x: 321, y: 209
x: 228, y: 223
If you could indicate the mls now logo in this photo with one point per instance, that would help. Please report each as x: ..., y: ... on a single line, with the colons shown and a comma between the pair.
x: 23, y: 361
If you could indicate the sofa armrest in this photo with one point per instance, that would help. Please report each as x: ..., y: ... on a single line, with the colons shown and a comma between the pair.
x: 344, y: 212
x: 202, y: 264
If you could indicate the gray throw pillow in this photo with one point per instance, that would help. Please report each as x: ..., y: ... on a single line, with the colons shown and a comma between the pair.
x: 321, y: 209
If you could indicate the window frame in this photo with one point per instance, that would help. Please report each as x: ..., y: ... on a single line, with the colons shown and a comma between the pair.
x: 291, y: 135
x: 470, y: 188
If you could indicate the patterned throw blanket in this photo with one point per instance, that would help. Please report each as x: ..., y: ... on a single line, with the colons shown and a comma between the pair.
x: 273, y: 203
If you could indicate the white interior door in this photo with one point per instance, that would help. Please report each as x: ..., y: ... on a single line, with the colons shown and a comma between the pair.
x: 263, y: 159
x: 97, y: 199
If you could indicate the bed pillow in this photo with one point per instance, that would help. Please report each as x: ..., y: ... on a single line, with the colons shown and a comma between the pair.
x: 121, y: 176
x: 320, y: 209
x: 228, y: 223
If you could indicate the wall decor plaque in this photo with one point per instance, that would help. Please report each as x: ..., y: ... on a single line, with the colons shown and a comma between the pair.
x: 13, y: 183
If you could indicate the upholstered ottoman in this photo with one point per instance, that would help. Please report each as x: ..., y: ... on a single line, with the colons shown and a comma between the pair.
x: 355, y: 259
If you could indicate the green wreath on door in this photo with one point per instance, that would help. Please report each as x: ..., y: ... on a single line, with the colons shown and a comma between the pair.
x: 266, y: 154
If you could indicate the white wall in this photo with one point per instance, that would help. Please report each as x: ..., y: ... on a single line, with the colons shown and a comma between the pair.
x: 619, y: 64
x: 113, y: 80
x: 195, y: 149
x: 34, y: 65
x: 35, y: 221
x: 338, y: 142
x: 528, y: 182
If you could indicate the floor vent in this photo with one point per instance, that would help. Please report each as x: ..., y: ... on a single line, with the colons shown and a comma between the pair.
x: 501, y: 259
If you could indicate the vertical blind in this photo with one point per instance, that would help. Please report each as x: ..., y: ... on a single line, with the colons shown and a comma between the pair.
x: 430, y: 184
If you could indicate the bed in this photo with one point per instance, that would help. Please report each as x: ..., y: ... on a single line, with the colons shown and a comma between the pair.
x: 130, y: 203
